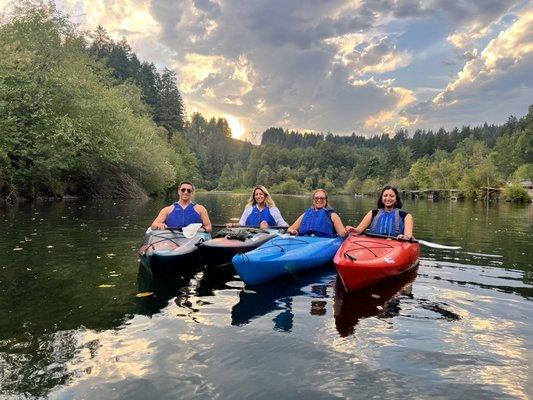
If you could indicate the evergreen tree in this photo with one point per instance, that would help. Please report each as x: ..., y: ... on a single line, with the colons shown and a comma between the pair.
x: 170, y: 111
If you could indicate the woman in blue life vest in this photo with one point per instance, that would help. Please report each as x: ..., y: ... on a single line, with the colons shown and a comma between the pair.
x: 260, y: 211
x: 183, y: 212
x: 319, y: 219
x: 388, y: 219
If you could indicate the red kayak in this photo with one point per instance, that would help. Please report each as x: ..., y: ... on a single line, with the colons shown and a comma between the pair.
x: 364, y: 260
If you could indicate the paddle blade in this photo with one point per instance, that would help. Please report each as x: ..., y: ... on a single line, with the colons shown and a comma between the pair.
x: 190, y: 230
x: 437, y: 246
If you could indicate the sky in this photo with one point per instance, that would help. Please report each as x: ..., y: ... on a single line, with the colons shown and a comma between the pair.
x: 367, y: 66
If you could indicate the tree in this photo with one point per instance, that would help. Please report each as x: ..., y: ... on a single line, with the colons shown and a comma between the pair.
x: 225, y: 182
x: 63, y: 128
x: 170, y: 111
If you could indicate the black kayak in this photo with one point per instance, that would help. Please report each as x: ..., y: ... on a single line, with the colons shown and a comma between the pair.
x: 231, y: 241
x: 165, y: 252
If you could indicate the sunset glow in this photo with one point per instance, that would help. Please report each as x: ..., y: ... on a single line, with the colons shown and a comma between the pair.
x: 237, y: 130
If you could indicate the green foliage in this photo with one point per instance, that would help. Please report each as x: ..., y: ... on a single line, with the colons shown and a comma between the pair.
x: 212, y: 143
x: 289, y: 187
x: 353, y: 186
x: 63, y: 127
x: 159, y: 91
x: 225, y: 182
x: 523, y: 172
x: 515, y: 193
x: 371, y: 185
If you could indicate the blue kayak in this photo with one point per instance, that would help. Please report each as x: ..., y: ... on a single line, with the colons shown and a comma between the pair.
x: 284, y: 256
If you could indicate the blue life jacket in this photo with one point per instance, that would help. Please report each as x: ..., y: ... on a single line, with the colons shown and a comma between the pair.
x: 387, y: 222
x: 180, y: 217
x: 317, y: 223
x: 256, y: 217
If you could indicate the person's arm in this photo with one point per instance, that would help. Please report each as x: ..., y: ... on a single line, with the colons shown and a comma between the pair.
x: 245, y: 214
x: 276, y: 214
x: 365, y: 223
x: 206, y: 223
x: 338, y: 225
x: 159, y: 221
x: 408, y: 225
x: 293, y: 229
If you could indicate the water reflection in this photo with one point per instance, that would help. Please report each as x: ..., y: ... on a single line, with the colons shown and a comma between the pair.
x: 279, y: 296
x: 382, y: 300
x: 163, y: 290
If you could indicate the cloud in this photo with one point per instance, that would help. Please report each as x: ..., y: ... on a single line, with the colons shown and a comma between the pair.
x: 500, y: 73
x: 331, y: 65
x: 477, y: 19
x: 116, y: 16
x: 378, y: 55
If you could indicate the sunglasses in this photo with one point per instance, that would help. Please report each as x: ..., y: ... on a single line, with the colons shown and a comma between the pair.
x: 319, y: 198
x: 183, y: 190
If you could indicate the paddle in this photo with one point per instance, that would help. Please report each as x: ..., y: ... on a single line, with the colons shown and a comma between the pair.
x: 247, y: 226
x: 188, y: 231
x: 423, y: 242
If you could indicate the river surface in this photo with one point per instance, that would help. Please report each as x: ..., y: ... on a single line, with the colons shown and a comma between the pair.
x: 72, y: 326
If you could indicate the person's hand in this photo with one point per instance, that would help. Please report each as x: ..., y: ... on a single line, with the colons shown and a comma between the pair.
x: 292, y: 231
x: 404, y: 237
x: 263, y: 225
x: 350, y: 229
x: 231, y: 225
x: 159, y: 226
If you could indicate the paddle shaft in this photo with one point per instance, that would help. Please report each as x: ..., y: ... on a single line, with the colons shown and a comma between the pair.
x: 246, y: 226
x: 412, y: 240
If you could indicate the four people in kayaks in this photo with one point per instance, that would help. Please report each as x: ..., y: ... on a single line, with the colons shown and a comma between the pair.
x: 388, y: 219
x: 183, y: 212
x: 319, y: 219
x: 260, y: 211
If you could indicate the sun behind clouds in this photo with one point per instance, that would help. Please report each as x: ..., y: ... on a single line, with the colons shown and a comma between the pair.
x: 237, y: 130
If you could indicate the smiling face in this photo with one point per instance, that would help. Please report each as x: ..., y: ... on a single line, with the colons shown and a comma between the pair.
x: 185, y: 192
x: 389, y: 198
x: 320, y: 199
x: 259, y: 197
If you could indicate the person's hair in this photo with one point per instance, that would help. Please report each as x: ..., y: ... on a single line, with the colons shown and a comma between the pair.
x: 398, y: 199
x: 325, y: 194
x: 269, y: 201
x: 186, y: 183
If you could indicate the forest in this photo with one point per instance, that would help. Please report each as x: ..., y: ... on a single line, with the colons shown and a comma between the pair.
x: 81, y: 115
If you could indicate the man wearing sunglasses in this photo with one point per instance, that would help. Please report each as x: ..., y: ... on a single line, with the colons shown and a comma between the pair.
x: 183, y: 212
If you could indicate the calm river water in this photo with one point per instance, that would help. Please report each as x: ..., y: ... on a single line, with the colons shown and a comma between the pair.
x: 71, y: 326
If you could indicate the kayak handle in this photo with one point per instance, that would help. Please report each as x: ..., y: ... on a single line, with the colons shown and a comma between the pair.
x: 350, y: 256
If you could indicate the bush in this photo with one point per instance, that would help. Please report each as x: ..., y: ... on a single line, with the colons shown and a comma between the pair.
x: 515, y: 193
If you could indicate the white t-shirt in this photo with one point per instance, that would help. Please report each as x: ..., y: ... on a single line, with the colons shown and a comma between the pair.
x: 276, y: 214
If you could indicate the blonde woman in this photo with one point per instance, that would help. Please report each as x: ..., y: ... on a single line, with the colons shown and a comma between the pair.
x: 261, y: 210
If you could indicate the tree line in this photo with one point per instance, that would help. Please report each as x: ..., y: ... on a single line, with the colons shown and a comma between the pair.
x: 80, y: 114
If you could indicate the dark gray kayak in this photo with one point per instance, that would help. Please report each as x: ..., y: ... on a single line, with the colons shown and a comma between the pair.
x: 165, y: 252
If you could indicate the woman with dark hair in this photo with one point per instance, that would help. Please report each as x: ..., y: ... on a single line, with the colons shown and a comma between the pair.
x: 388, y: 219
x: 319, y: 219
